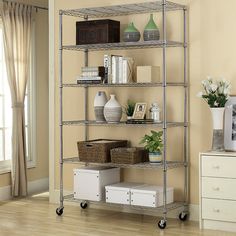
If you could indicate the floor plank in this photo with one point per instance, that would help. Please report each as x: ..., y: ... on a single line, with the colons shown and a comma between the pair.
x: 34, y: 216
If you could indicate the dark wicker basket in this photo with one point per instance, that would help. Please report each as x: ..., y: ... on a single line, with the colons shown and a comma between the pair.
x: 98, y: 150
x: 129, y: 155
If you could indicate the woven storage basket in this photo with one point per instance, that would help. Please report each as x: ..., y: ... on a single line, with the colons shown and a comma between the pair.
x: 129, y: 155
x: 98, y: 150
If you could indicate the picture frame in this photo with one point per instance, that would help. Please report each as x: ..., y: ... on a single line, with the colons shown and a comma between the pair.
x: 139, y: 110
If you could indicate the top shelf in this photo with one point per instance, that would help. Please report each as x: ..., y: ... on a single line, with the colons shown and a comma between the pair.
x: 121, y: 10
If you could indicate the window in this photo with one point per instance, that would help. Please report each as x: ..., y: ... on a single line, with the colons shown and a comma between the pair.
x: 6, y: 114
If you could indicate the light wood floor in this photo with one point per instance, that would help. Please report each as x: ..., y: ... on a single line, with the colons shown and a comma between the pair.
x: 35, y: 216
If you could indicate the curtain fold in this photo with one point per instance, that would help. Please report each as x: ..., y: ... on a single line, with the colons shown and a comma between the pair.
x: 17, y: 27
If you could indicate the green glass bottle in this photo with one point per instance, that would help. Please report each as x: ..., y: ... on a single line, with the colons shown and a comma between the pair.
x: 131, y: 34
x: 151, y: 31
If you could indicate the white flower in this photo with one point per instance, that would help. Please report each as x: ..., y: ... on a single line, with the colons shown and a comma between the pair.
x: 226, y: 91
x: 208, y: 88
x: 213, y: 87
x: 209, y: 78
x: 199, y: 95
x: 216, y: 104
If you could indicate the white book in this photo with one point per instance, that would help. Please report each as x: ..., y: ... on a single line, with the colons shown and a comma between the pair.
x: 115, y: 69
x: 120, y: 66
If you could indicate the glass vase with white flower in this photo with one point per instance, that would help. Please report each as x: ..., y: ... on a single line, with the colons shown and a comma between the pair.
x: 216, y: 94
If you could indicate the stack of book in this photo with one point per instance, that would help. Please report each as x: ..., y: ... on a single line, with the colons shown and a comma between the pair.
x: 91, y: 75
x: 118, y: 69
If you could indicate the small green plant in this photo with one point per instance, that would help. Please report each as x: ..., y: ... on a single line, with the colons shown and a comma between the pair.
x: 129, y: 108
x: 153, y: 142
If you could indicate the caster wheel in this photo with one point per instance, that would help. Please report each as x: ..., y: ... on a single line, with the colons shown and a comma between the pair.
x: 162, y: 224
x: 183, y: 216
x: 59, y: 211
x: 83, y: 205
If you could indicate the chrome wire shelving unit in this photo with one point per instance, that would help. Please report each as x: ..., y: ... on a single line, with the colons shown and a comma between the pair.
x: 110, y: 11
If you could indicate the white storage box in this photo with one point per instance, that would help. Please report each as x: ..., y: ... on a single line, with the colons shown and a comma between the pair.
x: 120, y: 193
x: 148, y: 74
x: 90, y: 182
x: 150, y: 196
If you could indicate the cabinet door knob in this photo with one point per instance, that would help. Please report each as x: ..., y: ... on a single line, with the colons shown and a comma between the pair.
x: 216, y: 188
x: 216, y: 210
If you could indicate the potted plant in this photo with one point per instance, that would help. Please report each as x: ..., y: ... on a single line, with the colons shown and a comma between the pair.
x: 216, y: 94
x: 129, y: 109
x: 154, y: 145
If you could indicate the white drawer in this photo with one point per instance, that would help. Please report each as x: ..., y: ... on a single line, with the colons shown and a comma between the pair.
x: 219, y: 166
x: 222, y: 210
x: 218, y: 188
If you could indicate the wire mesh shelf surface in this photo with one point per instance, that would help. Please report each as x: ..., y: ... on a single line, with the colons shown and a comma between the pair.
x: 122, y: 123
x: 120, y: 10
x: 144, y: 165
x: 123, y: 45
x: 169, y: 84
x: 170, y: 206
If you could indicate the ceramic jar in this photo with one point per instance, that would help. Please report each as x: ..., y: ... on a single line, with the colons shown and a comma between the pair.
x: 131, y: 34
x: 113, y: 110
x: 155, y: 112
x: 99, y: 102
x: 151, y: 31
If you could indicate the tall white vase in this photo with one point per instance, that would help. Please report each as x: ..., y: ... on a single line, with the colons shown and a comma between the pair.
x: 112, y: 110
x: 218, y: 134
x: 99, y: 102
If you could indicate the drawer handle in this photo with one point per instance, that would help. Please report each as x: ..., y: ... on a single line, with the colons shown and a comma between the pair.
x: 216, y: 188
x: 216, y: 210
x: 216, y: 167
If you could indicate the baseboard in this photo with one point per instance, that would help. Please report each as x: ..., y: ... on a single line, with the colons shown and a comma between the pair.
x: 38, y: 186
x: 34, y: 187
x: 193, y: 208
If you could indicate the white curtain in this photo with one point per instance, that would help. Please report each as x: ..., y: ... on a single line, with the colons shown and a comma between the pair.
x: 17, y: 28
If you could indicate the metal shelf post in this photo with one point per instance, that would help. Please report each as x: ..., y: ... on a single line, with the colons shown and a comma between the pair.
x: 164, y: 109
x: 186, y: 90
x: 61, y: 105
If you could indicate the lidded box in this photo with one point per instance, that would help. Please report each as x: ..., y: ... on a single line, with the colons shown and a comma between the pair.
x: 97, y: 31
x: 90, y: 182
x: 151, y: 196
x: 120, y: 193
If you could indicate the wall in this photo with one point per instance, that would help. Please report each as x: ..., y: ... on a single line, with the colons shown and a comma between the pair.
x: 211, y: 52
x: 41, y: 170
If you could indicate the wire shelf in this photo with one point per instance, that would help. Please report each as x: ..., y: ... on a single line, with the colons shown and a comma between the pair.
x: 121, y: 10
x: 170, y: 84
x: 145, y: 165
x: 171, y: 206
x: 124, y: 45
x: 122, y: 123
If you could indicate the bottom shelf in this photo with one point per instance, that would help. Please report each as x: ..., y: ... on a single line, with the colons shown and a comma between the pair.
x: 170, y: 206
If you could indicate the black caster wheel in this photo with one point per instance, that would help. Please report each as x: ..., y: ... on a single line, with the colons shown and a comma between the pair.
x: 59, y: 211
x: 162, y: 224
x: 83, y: 205
x: 183, y: 216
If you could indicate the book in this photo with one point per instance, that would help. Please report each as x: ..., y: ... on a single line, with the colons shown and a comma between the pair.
x: 89, y: 78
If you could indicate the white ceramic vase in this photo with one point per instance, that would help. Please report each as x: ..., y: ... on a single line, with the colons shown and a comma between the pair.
x: 218, y: 135
x: 113, y: 110
x: 99, y: 102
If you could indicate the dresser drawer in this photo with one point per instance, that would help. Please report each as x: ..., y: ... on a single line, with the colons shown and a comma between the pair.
x: 222, y: 210
x: 219, y: 166
x: 218, y: 188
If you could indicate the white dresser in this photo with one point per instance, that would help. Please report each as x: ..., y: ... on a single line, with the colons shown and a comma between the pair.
x: 217, y: 185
